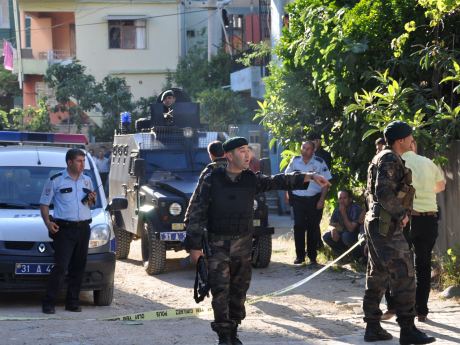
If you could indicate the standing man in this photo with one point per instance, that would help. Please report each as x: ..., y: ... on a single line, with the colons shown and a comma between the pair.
x: 168, y: 98
x: 427, y: 180
x: 225, y: 208
x: 344, y: 224
x: 390, y: 196
x: 103, y: 166
x: 72, y: 195
x: 308, y: 204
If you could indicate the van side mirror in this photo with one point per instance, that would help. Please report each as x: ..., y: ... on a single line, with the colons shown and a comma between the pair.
x: 118, y: 203
x: 139, y: 167
x: 265, y: 166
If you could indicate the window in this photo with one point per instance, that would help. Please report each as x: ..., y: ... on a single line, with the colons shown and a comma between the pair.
x: 127, y: 34
x: 28, y: 23
x: 4, y: 15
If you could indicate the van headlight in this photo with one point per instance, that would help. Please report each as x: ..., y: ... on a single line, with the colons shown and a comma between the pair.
x: 256, y: 204
x: 175, y: 209
x: 100, y: 235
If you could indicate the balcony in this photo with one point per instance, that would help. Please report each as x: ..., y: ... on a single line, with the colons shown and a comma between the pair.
x: 38, y: 66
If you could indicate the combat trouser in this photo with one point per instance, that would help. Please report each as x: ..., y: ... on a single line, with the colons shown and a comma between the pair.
x: 229, y: 277
x: 390, y: 264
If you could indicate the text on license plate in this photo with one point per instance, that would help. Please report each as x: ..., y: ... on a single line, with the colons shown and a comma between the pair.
x: 33, y: 269
x: 172, y: 236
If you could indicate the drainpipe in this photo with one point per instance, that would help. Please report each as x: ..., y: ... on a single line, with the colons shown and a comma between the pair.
x: 18, y: 43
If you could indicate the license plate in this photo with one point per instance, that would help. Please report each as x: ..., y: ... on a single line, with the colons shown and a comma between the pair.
x: 33, y: 269
x: 172, y: 236
x: 256, y: 222
x: 177, y: 226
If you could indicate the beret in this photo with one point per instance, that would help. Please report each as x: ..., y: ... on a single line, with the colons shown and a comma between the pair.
x: 233, y: 143
x: 166, y: 94
x: 397, y: 130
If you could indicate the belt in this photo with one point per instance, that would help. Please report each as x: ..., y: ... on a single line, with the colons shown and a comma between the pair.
x: 431, y: 214
x: 72, y: 223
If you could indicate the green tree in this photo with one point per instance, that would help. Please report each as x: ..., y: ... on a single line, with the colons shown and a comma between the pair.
x: 114, y: 97
x: 207, y: 83
x: 9, y: 88
x: 75, y: 90
x: 40, y: 118
x: 221, y: 107
x: 347, y: 70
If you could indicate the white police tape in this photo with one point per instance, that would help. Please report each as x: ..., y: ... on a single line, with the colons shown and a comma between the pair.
x: 194, y: 312
x: 179, y: 313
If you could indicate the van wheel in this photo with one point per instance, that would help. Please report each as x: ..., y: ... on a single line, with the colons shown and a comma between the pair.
x: 153, y: 250
x: 103, y: 297
x: 261, y: 251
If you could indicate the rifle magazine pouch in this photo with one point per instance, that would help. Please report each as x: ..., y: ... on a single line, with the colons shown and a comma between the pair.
x: 384, y: 222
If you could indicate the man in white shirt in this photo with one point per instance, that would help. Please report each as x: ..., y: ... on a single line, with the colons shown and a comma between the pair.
x: 308, y: 204
x: 427, y: 179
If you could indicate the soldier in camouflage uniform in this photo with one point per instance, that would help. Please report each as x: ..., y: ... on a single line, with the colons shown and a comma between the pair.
x: 225, y: 208
x: 390, y: 196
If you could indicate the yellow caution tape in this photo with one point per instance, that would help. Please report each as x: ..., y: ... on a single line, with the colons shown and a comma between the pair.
x: 195, y: 312
x: 161, y: 314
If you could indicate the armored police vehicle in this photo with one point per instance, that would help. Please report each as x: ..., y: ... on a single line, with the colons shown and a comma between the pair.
x: 156, y: 168
x: 27, y: 160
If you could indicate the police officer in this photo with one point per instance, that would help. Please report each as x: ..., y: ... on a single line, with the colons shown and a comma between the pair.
x: 72, y: 195
x: 168, y: 98
x: 390, y: 196
x: 225, y: 207
x: 308, y: 204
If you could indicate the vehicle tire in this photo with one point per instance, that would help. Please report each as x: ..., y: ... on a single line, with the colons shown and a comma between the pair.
x: 123, y: 240
x: 153, y: 250
x: 261, y: 251
x: 103, y: 297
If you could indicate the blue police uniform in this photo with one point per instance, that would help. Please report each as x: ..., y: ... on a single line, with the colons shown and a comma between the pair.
x: 71, y: 241
x: 306, y: 216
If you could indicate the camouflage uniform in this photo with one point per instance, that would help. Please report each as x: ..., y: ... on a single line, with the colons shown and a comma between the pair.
x: 216, y: 163
x: 230, y: 261
x: 390, y: 263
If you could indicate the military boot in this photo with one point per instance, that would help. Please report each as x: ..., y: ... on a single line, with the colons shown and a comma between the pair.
x: 235, y: 339
x: 224, y: 339
x: 411, y: 335
x: 375, y: 332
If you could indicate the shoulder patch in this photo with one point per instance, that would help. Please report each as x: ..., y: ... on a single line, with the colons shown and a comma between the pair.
x: 319, y: 159
x: 55, y: 175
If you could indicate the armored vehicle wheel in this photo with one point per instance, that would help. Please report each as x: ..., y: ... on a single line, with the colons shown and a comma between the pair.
x: 123, y: 239
x: 153, y: 251
x: 103, y: 297
x: 261, y: 251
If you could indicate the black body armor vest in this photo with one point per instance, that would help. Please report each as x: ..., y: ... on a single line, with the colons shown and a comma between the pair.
x: 231, y: 211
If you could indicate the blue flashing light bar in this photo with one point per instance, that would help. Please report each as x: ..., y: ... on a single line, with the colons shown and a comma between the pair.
x: 42, y: 138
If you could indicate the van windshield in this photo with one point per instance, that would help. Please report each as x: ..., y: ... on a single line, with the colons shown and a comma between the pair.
x: 21, y: 187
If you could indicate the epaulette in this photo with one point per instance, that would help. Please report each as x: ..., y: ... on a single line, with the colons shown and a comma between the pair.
x: 319, y: 159
x: 387, y: 153
x: 55, y: 175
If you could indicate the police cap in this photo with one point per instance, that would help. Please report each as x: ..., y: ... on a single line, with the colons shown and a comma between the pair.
x: 396, y: 130
x: 166, y: 94
x: 233, y: 143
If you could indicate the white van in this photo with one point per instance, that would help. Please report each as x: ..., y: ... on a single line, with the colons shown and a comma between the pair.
x: 26, y: 250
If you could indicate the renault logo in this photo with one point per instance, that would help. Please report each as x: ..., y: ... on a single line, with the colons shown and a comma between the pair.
x: 41, y: 247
